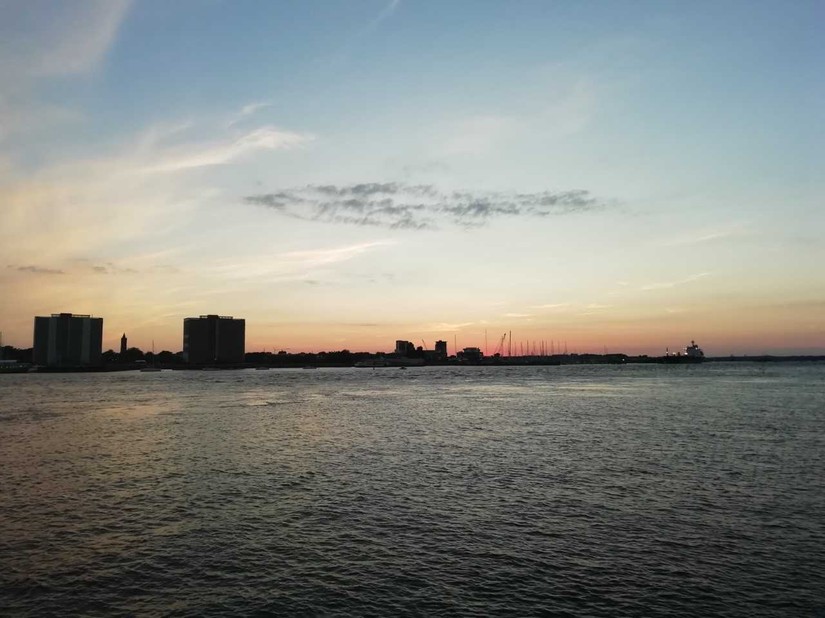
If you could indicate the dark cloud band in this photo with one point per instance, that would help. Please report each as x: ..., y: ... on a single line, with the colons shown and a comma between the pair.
x: 398, y: 205
x: 37, y: 270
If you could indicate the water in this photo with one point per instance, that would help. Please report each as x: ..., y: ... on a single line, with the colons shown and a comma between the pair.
x: 594, y: 490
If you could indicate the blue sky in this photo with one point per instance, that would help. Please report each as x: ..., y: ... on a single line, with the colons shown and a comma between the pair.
x: 343, y: 174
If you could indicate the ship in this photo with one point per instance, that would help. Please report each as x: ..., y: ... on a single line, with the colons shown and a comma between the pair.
x: 13, y: 366
x: 692, y: 354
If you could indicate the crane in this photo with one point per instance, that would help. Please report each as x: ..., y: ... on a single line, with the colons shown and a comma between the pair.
x: 500, y: 346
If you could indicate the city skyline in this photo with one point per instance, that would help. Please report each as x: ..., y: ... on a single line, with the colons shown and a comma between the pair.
x: 344, y: 174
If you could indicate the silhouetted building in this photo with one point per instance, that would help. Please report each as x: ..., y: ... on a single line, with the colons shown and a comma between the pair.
x: 67, y: 340
x: 214, y: 339
x: 441, y: 349
x: 470, y: 355
x: 123, y: 345
x: 404, y: 348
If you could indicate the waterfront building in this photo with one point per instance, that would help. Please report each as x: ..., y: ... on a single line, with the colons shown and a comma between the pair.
x: 441, y: 349
x: 214, y: 339
x: 68, y: 340
x: 471, y: 355
x: 404, y: 348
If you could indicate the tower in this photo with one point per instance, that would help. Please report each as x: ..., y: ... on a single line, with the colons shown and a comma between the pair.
x: 123, y: 345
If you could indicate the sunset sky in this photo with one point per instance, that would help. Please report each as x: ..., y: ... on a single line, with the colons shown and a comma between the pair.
x: 614, y: 175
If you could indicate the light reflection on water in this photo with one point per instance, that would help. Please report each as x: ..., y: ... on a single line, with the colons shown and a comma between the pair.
x: 601, y: 490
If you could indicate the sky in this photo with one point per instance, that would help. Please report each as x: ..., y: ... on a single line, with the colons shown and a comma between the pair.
x: 620, y: 176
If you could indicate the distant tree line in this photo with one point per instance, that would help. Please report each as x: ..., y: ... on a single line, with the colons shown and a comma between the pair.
x: 341, y: 358
x: 21, y: 355
x: 136, y: 355
x: 133, y: 356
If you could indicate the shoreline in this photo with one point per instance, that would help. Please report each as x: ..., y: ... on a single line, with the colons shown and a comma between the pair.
x: 500, y: 362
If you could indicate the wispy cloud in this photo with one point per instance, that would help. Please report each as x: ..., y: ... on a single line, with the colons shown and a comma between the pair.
x: 251, y: 108
x: 478, y: 135
x: 220, y: 153
x: 595, y: 309
x: 133, y: 191
x: 319, y: 257
x: 448, y: 327
x: 246, y: 111
x: 397, y: 205
x: 110, y: 268
x: 706, y: 236
x: 566, y: 109
x: 672, y: 284
x: 388, y: 10
x: 41, y: 40
x: 293, y: 265
x: 369, y: 24
x: 38, y: 270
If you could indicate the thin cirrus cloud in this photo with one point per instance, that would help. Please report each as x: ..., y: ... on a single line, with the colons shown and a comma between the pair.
x: 46, y: 38
x: 293, y: 265
x: 264, y: 138
x: 672, y: 284
x: 446, y: 326
x: 397, y: 205
x: 388, y: 10
x: 706, y: 236
x: 330, y: 256
x: 552, y: 306
x: 246, y: 111
x: 367, y: 27
x: 40, y: 40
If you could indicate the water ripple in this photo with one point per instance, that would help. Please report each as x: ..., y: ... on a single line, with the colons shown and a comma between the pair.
x: 602, y: 491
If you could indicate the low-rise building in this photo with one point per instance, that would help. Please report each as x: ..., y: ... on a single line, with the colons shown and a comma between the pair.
x: 470, y: 355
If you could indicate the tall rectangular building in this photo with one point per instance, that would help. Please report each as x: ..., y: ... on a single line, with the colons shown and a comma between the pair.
x: 68, y: 340
x: 214, y: 339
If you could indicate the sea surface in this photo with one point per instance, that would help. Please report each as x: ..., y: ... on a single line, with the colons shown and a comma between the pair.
x: 638, y: 490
